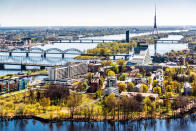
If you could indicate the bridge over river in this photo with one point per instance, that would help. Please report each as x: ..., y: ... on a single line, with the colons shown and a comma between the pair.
x: 42, y: 52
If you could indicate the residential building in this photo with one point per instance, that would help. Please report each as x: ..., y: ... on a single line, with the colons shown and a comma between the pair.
x: 94, y: 67
x: 137, y: 88
x: 132, y: 94
x: 94, y: 83
x: 111, y: 81
x: 111, y: 86
x: 111, y: 90
x: 192, y: 47
x: 187, y: 89
x: 70, y: 71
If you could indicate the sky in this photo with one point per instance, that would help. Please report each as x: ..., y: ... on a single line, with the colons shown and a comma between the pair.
x: 96, y: 12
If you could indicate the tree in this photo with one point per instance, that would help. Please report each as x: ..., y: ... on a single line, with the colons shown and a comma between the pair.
x: 20, y: 109
x: 147, y: 102
x: 149, y: 80
x: 44, y: 102
x: 89, y: 77
x: 123, y: 77
x: 154, y: 83
x: 139, y: 98
x: 168, y: 88
x: 121, y: 87
x: 73, y: 101
x: 139, y: 75
x: 194, y: 88
x: 133, y: 105
x: 106, y: 63
x: 101, y: 81
x: 111, y: 73
x: 180, y: 102
x: 121, y: 64
x: 124, y: 105
x: 130, y: 87
x: 144, y: 88
x: 82, y: 86
x: 157, y: 90
x: 143, y: 72
x: 38, y: 95
x: 145, y: 108
x: 57, y: 93
x: 98, y: 93
x: 115, y: 68
x: 111, y: 103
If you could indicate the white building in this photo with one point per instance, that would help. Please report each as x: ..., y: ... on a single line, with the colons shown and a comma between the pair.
x: 141, y: 56
x: 111, y: 90
x: 187, y: 89
x: 70, y: 71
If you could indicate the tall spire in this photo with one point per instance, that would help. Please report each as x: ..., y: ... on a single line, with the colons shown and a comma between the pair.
x: 155, y: 31
x: 155, y: 17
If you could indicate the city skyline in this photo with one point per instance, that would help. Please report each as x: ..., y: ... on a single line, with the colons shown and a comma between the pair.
x: 96, y: 12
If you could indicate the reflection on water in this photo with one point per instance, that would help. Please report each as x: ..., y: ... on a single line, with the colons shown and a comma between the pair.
x: 180, y: 124
x: 165, y: 48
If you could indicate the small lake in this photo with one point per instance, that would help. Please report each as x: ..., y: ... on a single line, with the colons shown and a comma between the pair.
x: 183, y: 124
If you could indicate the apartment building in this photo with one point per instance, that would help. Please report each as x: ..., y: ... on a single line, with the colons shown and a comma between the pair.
x: 70, y: 71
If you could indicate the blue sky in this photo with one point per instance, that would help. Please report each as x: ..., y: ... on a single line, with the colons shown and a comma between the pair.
x: 96, y: 12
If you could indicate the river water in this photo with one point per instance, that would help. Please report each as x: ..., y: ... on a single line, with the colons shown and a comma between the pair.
x: 57, y: 60
x: 181, y: 124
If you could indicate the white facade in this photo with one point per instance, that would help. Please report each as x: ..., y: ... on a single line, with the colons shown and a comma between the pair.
x: 142, y: 58
x: 68, y: 71
x: 187, y: 89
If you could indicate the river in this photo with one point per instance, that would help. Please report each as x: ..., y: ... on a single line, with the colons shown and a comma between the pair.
x: 180, y: 124
x: 57, y: 60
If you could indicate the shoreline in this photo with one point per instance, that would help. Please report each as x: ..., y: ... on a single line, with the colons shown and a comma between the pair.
x: 55, y: 120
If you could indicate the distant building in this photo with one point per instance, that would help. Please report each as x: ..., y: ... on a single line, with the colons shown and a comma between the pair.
x: 111, y: 90
x: 137, y: 88
x: 192, y: 47
x: 26, y: 41
x: 132, y: 94
x: 13, y: 85
x: 94, y: 83
x: 70, y: 71
x: 111, y: 81
x: 111, y: 86
x: 127, y: 36
x: 141, y: 56
x: 187, y: 89
x: 136, y: 80
x: 94, y: 67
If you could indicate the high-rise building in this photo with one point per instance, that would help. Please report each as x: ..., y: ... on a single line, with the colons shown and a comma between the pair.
x: 127, y: 36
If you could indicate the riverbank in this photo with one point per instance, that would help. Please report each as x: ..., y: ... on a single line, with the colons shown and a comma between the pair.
x: 101, y: 118
x: 26, y: 74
